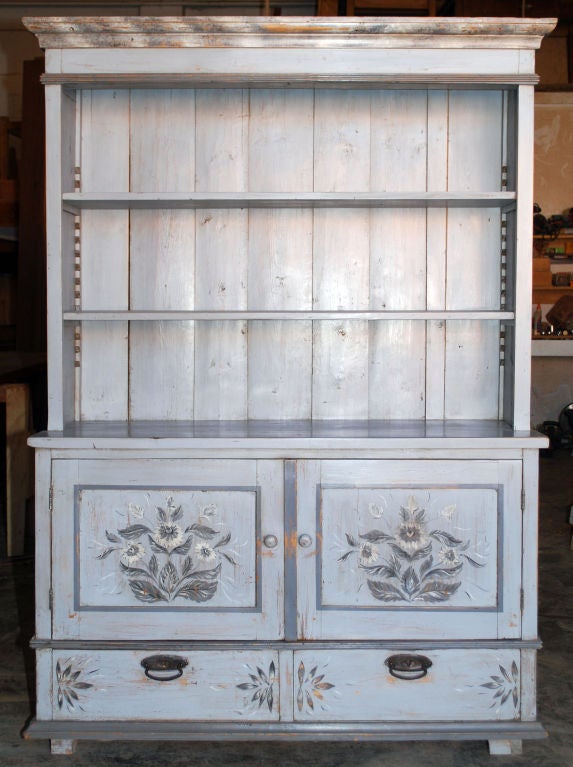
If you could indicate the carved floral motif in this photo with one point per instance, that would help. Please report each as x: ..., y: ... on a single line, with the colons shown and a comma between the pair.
x: 172, y: 559
x: 412, y: 563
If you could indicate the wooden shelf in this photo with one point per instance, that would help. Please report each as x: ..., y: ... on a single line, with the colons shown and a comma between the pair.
x: 133, y: 200
x: 218, y: 316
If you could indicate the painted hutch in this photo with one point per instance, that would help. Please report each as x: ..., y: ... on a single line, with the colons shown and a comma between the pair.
x: 288, y: 487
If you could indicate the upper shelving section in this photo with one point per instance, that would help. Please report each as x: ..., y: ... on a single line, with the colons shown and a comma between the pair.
x: 292, y: 218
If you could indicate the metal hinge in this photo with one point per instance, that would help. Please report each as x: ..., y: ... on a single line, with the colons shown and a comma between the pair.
x: 522, y: 599
x: 51, y: 599
x: 77, y: 178
x: 523, y: 500
x: 51, y: 499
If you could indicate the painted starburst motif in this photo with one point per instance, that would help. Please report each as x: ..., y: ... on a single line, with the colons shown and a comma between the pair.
x: 311, y: 688
x: 71, y: 683
x: 261, y: 686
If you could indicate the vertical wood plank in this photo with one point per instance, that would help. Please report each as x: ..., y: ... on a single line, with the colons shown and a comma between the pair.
x: 523, y: 232
x: 341, y: 255
x: 162, y: 255
x: 43, y: 534
x: 530, y: 537
x: 397, y: 255
x: 472, y: 369
x: 437, y: 221
x: 221, y: 257
x: 105, y: 241
x: 280, y: 254
x: 56, y: 371
x: 473, y: 253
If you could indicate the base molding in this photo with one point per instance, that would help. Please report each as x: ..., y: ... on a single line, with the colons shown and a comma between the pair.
x: 243, y: 731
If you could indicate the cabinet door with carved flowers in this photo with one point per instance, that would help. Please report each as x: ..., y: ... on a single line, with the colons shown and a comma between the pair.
x: 410, y: 549
x: 187, y: 548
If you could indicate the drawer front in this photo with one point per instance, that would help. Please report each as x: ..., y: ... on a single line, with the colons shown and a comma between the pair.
x: 409, y: 549
x: 442, y: 685
x: 175, y: 546
x: 205, y: 685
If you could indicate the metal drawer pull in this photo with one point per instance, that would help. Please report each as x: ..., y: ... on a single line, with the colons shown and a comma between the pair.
x: 164, y: 668
x: 271, y: 541
x: 304, y: 540
x: 408, y: 666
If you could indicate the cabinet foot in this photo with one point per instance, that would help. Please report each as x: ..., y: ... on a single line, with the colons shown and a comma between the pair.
x: 66, y: 747
x: 503, y: 747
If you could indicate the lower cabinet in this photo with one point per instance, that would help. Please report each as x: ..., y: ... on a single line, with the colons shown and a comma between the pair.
x: 368, y: 595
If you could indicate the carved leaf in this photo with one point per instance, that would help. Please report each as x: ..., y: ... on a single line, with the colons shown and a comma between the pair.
x: 420, y: 553
x: 445, y: 538
x: 112, y: 537
x: 201, y: 586
x: 473, y: 562
x: 162, y: 514
x: 345, y: 556
x: 146, y: 591
x: 223, y: 542
x: 228, y: 558
x: 444, y: 572
x: 106, y: 553
x: 202, y: 531
x: 157, y: 547
x: 410, y: 581
x: 184, y: 547
x: 153, y: 565
x: 375, y: 536
x: 426, y: 565
x: 187, y: 567
x: 133, y: 570
x: 133, y: 531
x: 168, y: 577
x: 437, y: 591
x: 384, y: 592
x: 351, y: 541
x: 177, y: 514
x: 383, y: 571
x: 198, y: 591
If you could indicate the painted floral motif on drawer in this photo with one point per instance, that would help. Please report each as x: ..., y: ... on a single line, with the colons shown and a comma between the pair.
x: 412, y: 561
x: 260, y: 688
x: 504, y: 688
x: 174, y: 559
x: 71, y: 684
x: 312, y: 686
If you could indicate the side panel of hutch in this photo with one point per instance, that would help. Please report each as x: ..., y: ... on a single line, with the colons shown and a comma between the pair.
x: 288, y: 487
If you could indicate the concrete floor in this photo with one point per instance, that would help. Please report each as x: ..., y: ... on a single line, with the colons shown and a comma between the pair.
x: 555, y: 681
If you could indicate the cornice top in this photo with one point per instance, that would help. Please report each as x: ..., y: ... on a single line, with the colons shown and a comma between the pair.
x: 291, y: 31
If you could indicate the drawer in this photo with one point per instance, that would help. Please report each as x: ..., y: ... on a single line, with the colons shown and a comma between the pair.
x: 428, y: 685
x: 154, y: 685
x: 178, y: 546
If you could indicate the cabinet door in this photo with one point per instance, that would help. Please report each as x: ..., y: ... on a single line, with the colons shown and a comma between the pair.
x: 409, y: 549
x: 167, y: 549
